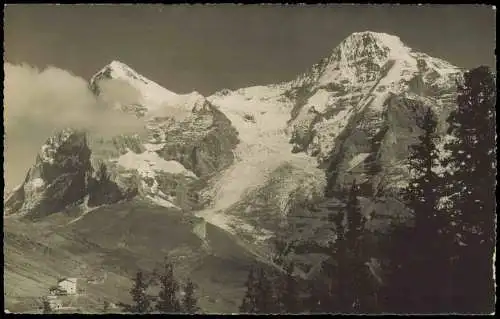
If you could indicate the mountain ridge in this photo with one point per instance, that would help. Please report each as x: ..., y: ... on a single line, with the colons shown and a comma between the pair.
x: 300, y: 122
x: 267, y: 161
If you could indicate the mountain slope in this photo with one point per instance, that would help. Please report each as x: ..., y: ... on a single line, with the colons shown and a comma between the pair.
x: 112, y: 243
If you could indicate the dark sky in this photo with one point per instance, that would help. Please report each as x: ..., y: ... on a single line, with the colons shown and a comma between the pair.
x: 208, y: 48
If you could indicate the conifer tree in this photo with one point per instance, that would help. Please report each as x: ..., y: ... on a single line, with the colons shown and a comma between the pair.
x: 141, y: 300
x: 168, y: 301
x: 46, y: 308
x: 421, y: 193
x: 356, y: 290
x: 189, y: 302
x: 355, y: 219
x: 423, y: 263
x: 249, y: 303
x: 264, y: 299
x: 102, y: 173
x: 472, y: 183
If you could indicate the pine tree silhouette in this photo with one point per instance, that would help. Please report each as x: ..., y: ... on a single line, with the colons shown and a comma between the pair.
x: 46, y: 308
x: 189, y: 302
x: 473, y: 155
x: 249, y: 303
x: 422, y: 263
x: 102, y: 173
x: 264, y: 299
x: 355, y: 219
x: 357, y: 290
x: 141, y: 301
x: 168, y: 301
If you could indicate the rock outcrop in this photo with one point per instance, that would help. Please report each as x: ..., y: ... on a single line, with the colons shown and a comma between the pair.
x: 62, y: 177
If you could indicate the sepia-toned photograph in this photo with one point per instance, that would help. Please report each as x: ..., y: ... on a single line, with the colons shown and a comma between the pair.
x: 249, y: 159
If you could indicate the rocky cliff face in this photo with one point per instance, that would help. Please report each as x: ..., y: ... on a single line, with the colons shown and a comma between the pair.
x: 203, y: 143
x: 356, y: 111
x: 59, y: 177
x: 63, y: 176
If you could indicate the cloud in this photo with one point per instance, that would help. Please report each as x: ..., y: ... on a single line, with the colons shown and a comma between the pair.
x: 39, y: 102
x: 175, y: 112
x: 118, y: 91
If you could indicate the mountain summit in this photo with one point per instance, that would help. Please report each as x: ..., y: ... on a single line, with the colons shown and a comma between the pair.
x: 377, y: 46
x: 150, y: 96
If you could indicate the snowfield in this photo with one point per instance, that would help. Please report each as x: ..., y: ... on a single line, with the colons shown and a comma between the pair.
x: 264, y: 146
x: 150, y: 161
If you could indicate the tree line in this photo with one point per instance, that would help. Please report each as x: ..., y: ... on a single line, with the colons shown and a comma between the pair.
x: 168, y: 300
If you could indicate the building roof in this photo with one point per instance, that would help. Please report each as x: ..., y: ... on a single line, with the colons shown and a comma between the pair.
x: 73, y: 280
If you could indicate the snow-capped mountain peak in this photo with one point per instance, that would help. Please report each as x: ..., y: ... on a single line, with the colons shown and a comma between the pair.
x: 363, y: 56
x: 371, y: 44
x: 152, y: 96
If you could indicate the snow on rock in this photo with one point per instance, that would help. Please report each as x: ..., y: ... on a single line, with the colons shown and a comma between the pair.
x: 50, y: 148
x: 328, y: 130
x: 362, y: 73
x: 36, y: 183
x: 149, y: 162
x: 162, y: 202
x: 148, y: 165
x: 36, y: 191
x: 319, y: 102
x: 352, y: 54
x: 153, y: 147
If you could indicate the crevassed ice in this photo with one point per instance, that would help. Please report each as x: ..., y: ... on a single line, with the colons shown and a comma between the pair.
x: 264, y: 146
